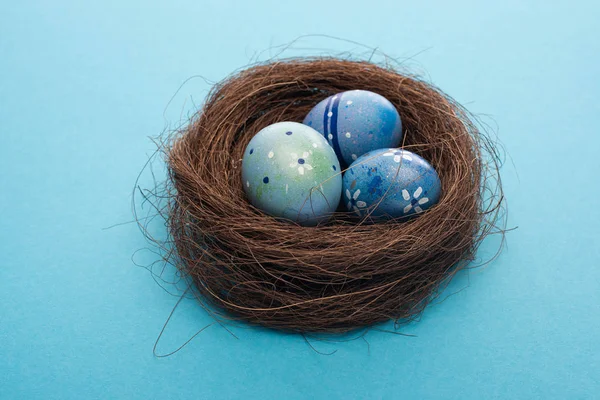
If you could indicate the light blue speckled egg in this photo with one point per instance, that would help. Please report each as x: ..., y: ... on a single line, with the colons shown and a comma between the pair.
x: 290, y: 171
x: 404, y: 182
x: 356, y: 122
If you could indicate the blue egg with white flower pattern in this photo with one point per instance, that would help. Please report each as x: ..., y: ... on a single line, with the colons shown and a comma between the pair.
x: 290, y: 171
x: 390, y: 183
x: 356, y: 122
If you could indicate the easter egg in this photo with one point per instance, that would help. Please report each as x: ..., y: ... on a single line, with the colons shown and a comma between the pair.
x: 390, y: 183
x: 290, y: 171
x: 356, y: 122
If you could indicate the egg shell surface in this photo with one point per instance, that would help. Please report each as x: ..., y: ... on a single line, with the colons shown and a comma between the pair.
x: 290, y: 171
x: 355, y: 122
x: 390, y: 183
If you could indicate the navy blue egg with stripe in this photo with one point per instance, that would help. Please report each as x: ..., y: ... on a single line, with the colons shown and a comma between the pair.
x: 356, y: 122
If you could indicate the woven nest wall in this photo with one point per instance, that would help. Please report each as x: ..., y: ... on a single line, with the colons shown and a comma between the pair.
x: 346, y: 273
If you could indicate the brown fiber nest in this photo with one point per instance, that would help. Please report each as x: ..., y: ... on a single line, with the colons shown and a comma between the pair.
x: 342, y: 275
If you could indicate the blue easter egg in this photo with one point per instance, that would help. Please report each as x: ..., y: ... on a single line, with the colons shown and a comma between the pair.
x: 390, y: 183
x: 290, y: 171
x: 356, y: 122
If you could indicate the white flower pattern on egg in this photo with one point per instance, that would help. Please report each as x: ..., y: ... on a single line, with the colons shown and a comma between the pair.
x: 388, y: 191
x: 300, y: 162
x: 415, y: 202
x: 353, y: 202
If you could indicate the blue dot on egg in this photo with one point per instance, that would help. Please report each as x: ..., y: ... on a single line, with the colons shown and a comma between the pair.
x: 288, y: 133
x: 301, y: 161
x: 251, y: 151
x: 266, y: 179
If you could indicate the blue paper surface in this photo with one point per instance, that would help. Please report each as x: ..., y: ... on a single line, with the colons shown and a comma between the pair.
x: 83, y: 85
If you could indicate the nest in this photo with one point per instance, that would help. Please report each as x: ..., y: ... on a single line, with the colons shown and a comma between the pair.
x: 344, y: 274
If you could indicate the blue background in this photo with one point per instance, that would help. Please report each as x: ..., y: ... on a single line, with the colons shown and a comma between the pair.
x: 83, y: 85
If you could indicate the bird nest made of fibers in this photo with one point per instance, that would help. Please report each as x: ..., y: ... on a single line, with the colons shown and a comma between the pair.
x: 346, y: 273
